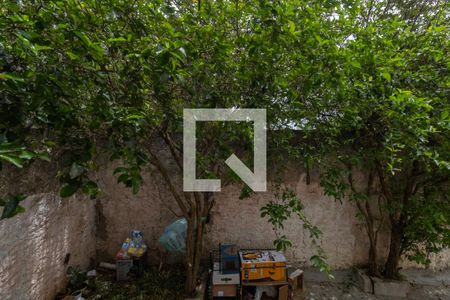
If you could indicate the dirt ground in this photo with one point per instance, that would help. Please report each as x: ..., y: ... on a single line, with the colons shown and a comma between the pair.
x: 168, y: 285
x: 425, y: 284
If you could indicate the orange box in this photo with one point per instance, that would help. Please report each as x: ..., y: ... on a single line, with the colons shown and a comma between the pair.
x: 262, y: 265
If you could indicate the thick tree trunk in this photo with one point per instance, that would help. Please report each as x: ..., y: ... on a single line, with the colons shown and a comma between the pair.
x: 194, y: 240
x: 391, y: 266
x: 398, y: 218
x: 190, y: 256
x: 194, y: 247
x: 195, y: 208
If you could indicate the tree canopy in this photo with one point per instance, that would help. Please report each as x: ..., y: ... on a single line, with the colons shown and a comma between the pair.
x: 365, y: 84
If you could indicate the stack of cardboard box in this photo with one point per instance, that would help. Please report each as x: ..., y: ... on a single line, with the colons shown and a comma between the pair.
x: 225, y: 275
x: 253, y: 274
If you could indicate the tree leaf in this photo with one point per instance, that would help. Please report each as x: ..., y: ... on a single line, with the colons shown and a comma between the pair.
x: 42, y: 47
x: 84, y: 38
x: 11, y: 77
x: 44, y: 156
x: 26, y: 154
x: 15, y: 160
x: 68, y: 190
x: 386, y: 75
x: 76, y: 170
x: 136, y: 184
x: 12, y: 207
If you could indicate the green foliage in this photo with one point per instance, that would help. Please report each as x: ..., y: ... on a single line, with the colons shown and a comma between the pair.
x: 382, y: 110
x: 319, y: 261
x: 11, y: 206
x: 68, y: 189
x: 17, y: 155
x: 333, y: 181
x: 154, y: 284
x: 427, y: 228
x: 78, y: 280
x: 246, y: 192
x: 365, y: 84
x: 14, y: 154
x: 280, y: 210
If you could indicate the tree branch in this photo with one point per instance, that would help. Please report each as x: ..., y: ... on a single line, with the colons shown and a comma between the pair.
x: 174, y: 150
x: 157, y: 163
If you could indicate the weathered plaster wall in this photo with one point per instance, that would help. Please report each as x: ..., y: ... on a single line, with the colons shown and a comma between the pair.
x: 233, y: 220
x: 238, y: 221
x: 439, y: 261
x: 119, y: 212
x: 34, y: 245
x: 343, y: 238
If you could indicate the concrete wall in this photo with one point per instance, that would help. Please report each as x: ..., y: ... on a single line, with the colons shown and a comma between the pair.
x: 34, y: 245
x: 343, y: 238
x: 233, y: 220
x: 238, y: 221
x: 119, y: 211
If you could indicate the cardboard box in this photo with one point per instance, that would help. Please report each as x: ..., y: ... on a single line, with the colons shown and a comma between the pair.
x: 224, y: 279
x: 226, y: 290
x: 283, y: 292
x: 295, y: 280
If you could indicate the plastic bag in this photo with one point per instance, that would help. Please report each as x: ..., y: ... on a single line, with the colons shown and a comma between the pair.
x: 174, y: 237
x: 134, y: 247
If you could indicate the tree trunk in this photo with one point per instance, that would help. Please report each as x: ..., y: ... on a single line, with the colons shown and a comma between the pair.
x: 374, y: 270
x: 194, y: 240
x: 194, y: 247
x: 195, y: 208
x: 190, y: 256
x: 366, y: 211
x: 398, y: 218
x: 391, y: 266
x: 373, y: 257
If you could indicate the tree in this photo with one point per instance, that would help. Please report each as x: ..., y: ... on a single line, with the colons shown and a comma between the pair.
x: 386, y: 115
x: 87, y: 78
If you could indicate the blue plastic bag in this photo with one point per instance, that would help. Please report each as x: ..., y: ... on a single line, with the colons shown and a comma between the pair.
x: 174, y: 237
